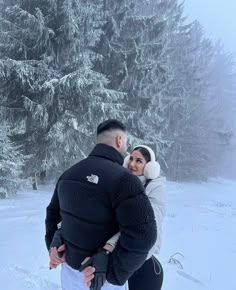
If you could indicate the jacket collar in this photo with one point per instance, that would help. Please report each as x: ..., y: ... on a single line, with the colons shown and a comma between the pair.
x: 108, y: 152
x: 142, y: 178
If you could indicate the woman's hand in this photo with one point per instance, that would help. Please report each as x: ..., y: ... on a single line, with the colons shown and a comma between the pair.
x: 55, y: 259
x: 89, y: 272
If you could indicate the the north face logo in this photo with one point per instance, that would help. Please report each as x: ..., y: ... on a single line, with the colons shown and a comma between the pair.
x: 93, y: 178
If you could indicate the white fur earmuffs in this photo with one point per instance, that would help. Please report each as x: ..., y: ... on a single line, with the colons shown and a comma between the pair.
x: 152, y: 168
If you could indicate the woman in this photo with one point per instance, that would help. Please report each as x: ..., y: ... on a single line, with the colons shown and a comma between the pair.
x: 142, y: 163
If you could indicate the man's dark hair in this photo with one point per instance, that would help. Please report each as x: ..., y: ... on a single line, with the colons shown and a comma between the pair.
x: 109, y: 125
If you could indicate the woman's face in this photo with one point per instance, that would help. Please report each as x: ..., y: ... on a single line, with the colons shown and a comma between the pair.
x: 136, y: 163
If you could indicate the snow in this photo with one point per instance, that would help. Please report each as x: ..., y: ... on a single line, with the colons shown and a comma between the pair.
x: 199, y: 226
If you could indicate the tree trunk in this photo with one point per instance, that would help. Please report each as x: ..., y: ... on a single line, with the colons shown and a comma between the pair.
x: 35, y: 183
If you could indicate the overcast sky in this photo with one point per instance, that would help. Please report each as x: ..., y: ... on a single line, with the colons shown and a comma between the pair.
x: 218, y: 18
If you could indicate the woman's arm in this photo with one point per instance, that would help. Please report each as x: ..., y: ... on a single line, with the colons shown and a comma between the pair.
x: 113, y: 241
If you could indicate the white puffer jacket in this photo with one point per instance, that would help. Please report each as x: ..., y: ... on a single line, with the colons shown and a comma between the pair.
x: 155, y: 190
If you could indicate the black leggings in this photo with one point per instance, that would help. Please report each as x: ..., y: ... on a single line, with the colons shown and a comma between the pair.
x: 148, y: 277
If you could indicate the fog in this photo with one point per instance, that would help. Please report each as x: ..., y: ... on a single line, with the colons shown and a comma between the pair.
x: 217, y: 18
x: 219, y: 24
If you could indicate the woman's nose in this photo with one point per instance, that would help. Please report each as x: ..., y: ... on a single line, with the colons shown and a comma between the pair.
x: 132, y: 163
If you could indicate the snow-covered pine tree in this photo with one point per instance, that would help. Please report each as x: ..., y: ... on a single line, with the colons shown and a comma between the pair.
x: 163, y: 64
x: 187, y: 128
x: 11, y: 163
x: 50, y: 93
x: 221, y: 105
x: 112, y: 61
x: 131, y: 49
x: 163, y: 20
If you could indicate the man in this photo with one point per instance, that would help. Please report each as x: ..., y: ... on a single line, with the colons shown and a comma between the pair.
x: 93, y: 200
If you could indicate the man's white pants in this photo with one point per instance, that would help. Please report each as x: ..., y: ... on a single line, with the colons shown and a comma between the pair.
x: 72, y: 279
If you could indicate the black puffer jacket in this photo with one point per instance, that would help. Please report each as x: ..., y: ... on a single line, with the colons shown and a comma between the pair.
x: 95, y: 199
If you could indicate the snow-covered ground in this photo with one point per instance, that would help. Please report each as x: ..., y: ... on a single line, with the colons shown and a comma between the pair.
x: 199, y: 226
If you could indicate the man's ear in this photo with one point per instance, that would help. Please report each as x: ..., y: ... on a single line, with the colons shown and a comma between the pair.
x: 118, y: 141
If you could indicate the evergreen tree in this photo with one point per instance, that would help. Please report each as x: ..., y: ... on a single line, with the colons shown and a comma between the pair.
x: 134, y: 55
x: 48, y: 85
x: 11, y: 163
x: 151, y: 73
x: 187, y: 127
x: 222, y: 108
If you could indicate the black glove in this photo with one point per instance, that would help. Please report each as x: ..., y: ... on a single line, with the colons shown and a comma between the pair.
x: 57, y: 241
x: 100, y: 262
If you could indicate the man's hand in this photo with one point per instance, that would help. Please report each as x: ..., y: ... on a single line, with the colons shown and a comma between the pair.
x: 57, y: 256
x: 95, y: 269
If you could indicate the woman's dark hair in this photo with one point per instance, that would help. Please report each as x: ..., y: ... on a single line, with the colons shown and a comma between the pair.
x: 144, y: 152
